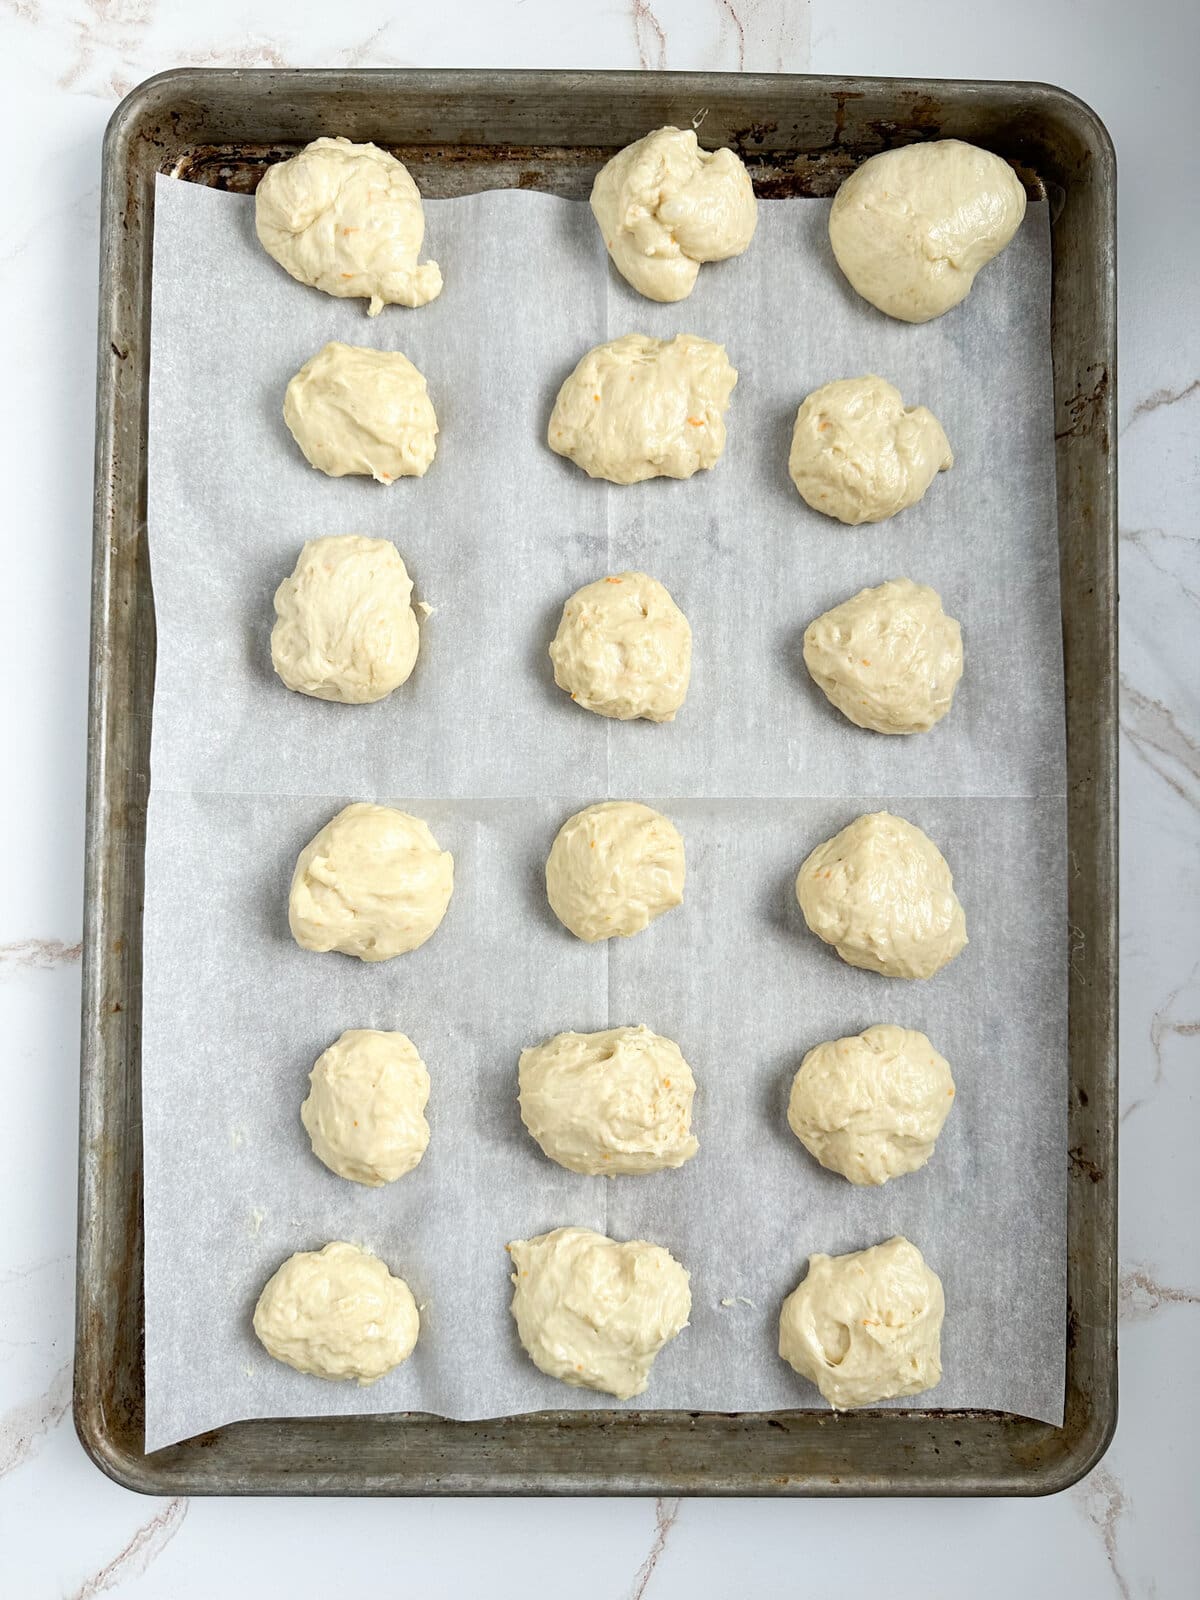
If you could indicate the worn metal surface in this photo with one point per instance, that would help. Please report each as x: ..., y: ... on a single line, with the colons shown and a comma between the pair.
x: 462, y: 131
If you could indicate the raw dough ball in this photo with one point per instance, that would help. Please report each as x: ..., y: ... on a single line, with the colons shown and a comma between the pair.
x: 345, y: 630
x: 617, y: 1101
x: 645, y: 408
x: 347, y: 219
x: 858, y: 454
x: 664, y: 206
x: 355, y: 410
x: 365, y: 1107
x: 613, y: 868
x: 624, y: 649
x: 871, y: 1107
x: 889, y: 659
x: 911, y: 227
x: 881, y: 893
x: 593, y: 1312
x: 373, y: 884
x: 337, y: 1313
x: 866, y: 1326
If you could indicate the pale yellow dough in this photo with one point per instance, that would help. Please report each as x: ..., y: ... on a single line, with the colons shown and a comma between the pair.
x: 613, y: 868
x: 664, y: 205
x: 365, y: 1111
x: 624, y: 649
x: 353, y: 410
x: 607, y: 1103
x: 644, y: 408
x: 911, y: 227
x: 867, y: 1326
x: 595, y: 1313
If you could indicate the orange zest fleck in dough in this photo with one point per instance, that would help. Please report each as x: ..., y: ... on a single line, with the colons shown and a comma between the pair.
x: 695, y: 422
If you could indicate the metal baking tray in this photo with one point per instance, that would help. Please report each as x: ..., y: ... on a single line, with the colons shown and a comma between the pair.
x: 460, y: 132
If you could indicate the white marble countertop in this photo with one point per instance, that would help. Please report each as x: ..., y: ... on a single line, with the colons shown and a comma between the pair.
x: 1131, y: 1528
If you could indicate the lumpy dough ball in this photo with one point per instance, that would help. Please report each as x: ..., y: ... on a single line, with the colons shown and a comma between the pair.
x: 607, y: 1103
x: 881, y: 893
x: 359, y: 411
x: 645, y: 408
x: 613, y: 868
x: 345, y: 627
x: 911, y: 227
x: 595, y: 1313
x: 365, y: 1111
x: 664, y: 205
x: 373, y: 884
x: 889, y: 658
x: 337, y: 1313
x: 867, y: 1326
x: 871, y: 1107
x: 347, y: 219
x: 860, y: 455
x: 624, y: 649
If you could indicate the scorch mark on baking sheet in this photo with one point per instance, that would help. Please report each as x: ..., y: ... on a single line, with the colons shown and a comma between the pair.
x: 1140, y: 1296
x: 39, y: 953
x: 1103, y: 1501
x: 665, y: 1513
x: 150, y: 1540
x: 24, y: 1427
x: 1162, y: 744
x: 1159, y: 399
x: 649, y: 37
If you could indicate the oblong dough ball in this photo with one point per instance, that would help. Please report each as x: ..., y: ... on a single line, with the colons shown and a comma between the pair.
x: 645, y: 408
x: 619, y: 1101
x: 613, y: 868
x: 871, y: 1107
x: 355, y: 410
x: 345, y: 628
x: 593, y: 1312
x: 664, y: 205
x: 881, y: 893
x: 347, y: 219
x: 889, y: 658
x: 365, y: 1111
x: 337, y: 1313
x: 860, y: 455
x: 911, y: 227
x: 624, y: 649
x: 373, y: 883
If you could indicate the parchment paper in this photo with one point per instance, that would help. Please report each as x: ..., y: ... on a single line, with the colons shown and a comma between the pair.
x: 756, y: 771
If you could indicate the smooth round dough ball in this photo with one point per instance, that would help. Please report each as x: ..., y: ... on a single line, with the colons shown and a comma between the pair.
x: 860, y: 455
x: 871, y: 1107
x: 881, y: 893
x: 374, y: 883
x: 867, y: 1326
x: 911, y: 227
x: 613, y: 868
x: 889, y: 658
x: 365, y: 1111
x: 664, y: 205
x: 347, y: 219
x: 595, y: 1313
x: 624, y: 649
x: 642, y: 408
x: 354, y: 410
x: 345, y: 628
x: 614, y: 1102
x: 337, y: 1313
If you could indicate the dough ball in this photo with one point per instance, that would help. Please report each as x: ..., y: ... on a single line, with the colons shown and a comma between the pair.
x: 871, y: 1107
x: 866, y: 1326
x: 889, y: 659
x: 881, y: 893
x: 337, y: 1313
x: 624, y: 649
x: 347, y: 219
x: 345, y: 628
x: 365, y: 1111
x: 911, y: 227
x: 613, y: 868
x: 858, y: 454
x: 645, y: 408
x: 355, y: 410
x: 664, y: 206
x: 593, y: 1312
x: 373, y: 884
x: 617, y: 1101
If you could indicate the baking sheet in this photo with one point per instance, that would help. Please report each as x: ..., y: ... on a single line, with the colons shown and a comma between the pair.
x: 756, y: 771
